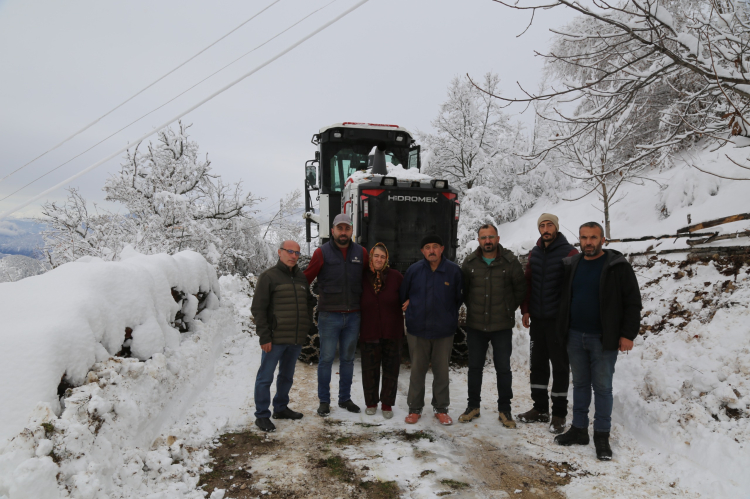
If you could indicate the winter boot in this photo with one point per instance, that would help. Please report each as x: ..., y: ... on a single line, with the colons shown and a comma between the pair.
x: 507, y: 419
x: 574, y: 436
x: 534, y: 416
x: 287, y: 414
x: 265, y: 424
x: 349, y: 406
x: 557, y: 425
x: 324, y: 409
x: 469, y: 414
x: 601, y: 442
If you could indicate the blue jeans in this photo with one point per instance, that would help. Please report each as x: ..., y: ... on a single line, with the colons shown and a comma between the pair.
x: 286, y: 357
x: 340, y: 330
x: 502, y: 347
x: 592, y: 366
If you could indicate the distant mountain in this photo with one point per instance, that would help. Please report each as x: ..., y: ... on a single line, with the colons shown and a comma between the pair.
x: 16, y: 267
x: 20, y: 237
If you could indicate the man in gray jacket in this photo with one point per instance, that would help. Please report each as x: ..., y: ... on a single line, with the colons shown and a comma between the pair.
x: 282, y: 308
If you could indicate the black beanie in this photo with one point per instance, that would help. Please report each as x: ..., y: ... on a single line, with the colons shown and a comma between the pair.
x: 432, y: 238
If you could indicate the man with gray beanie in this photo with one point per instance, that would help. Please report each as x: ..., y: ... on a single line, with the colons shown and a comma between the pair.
x: 431, y: 293
x: 544, y: 273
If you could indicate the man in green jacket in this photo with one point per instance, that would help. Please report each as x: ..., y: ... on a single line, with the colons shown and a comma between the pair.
x: 282, y: 308
x: 494, y: 287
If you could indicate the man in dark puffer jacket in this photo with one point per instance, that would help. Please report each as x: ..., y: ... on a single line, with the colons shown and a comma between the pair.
x: 282, y: 308
x: 544, y: 272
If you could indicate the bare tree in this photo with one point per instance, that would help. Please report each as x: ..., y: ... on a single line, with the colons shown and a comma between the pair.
x: 691, y: 58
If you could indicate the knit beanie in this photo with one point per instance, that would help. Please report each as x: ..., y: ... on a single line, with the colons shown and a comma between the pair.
x: 549, y: 217
x: 432, y: 238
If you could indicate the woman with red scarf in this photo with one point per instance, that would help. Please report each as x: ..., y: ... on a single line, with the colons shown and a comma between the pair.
x: 381, y: 332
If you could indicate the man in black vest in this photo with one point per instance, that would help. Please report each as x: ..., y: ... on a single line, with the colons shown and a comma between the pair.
x: 282, y: 310
x: 338, y: 265
x: 544, y: 272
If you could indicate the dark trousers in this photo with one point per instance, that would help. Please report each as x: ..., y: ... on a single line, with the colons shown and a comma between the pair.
x: 285, y: 356
x: 385, y: 353
x: 546, y: 349
x: 593, y: 367
x: 502, y: 347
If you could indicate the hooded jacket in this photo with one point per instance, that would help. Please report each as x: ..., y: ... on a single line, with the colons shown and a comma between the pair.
x: 619, y: 299
x: 493, y: 292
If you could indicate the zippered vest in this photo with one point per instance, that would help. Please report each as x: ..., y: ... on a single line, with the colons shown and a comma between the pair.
x: 339, y: 281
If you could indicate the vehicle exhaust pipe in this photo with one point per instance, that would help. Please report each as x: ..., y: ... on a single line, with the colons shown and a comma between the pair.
x: 376, y: 160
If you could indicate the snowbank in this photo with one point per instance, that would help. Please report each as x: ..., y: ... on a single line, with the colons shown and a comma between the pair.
x: 685, y: 388
x: 399, y: 172
x: 60, y: 323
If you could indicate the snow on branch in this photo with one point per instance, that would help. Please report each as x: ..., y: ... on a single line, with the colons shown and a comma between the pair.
x: 687, y: 60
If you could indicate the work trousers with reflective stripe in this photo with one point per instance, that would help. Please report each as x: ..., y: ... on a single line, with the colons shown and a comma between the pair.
x: 546, y: 349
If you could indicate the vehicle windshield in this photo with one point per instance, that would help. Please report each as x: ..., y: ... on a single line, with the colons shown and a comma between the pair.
x: 351, y: 158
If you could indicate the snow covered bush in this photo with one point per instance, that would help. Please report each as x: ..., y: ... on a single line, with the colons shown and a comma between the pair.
x: 58, y: 324
x: 174, y: 202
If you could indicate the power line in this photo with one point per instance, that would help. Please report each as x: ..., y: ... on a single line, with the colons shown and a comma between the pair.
x: 161, y: 106
x: 136, y: 94
x: 190, y: 109
x: 261, y: 224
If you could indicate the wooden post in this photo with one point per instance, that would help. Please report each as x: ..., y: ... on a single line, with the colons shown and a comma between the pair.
x: 714, y: 223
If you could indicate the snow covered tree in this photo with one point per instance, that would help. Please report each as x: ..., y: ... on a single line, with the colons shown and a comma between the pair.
x: 602, y: 159
x: 73, y: 230
x: 174, y: 202
x: 469, y: 134
x: 692, y: 55
x: 480, y: 152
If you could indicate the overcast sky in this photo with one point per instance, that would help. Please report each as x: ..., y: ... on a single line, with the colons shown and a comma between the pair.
x: 63, y: 64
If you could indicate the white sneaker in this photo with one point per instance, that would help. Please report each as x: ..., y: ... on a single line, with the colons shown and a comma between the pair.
x: 387, y: 414
x: 370, y: 411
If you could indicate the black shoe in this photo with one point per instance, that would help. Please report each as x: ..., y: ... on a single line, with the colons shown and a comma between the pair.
x: 574, y: 436
x: 324, y: 409
x: 349, y: 406
x: 601, y: 442
x: 287, y: 414
x: 534, y: 416
x: 265, y: 424
x: 557, y: 426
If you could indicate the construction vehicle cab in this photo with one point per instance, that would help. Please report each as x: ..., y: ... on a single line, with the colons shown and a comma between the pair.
x: 372, y: 173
